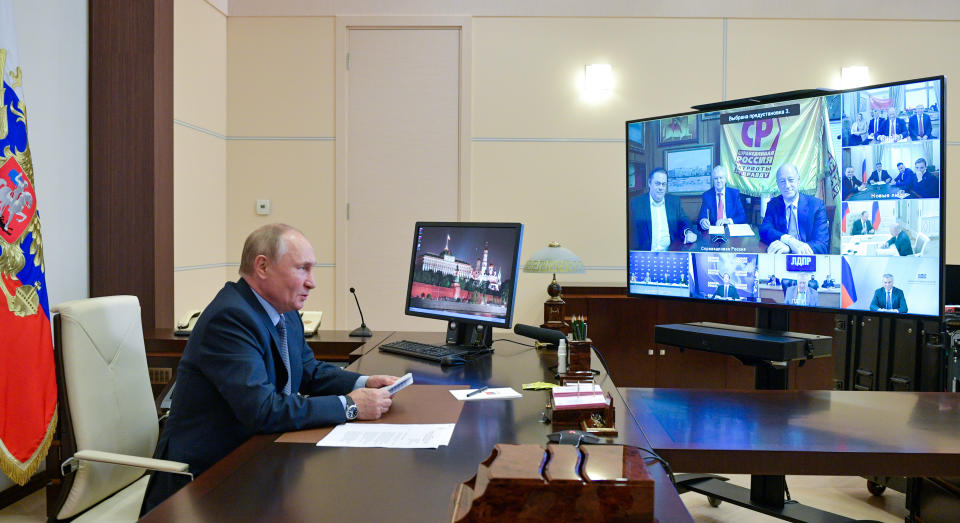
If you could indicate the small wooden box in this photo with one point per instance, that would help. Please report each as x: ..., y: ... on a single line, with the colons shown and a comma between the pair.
x: 585, y: 483
x: 579, y: 355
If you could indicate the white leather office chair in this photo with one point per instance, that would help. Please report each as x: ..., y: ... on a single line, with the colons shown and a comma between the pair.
x: 107, y: 411
x: 922, y: 241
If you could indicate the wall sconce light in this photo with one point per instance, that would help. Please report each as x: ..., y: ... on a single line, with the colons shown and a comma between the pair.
x: 854, y: 76
x: 597, y: 82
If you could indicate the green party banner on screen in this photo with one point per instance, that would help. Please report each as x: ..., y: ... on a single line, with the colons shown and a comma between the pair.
x: 755, y: 142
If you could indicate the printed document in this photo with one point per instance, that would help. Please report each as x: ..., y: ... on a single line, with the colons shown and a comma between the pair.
x: 390, y: 436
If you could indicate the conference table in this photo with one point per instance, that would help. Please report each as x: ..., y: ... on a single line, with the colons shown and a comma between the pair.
x: 263, y: 480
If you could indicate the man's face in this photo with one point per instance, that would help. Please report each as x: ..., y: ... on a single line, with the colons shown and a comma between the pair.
x: 921, y: 168
x: 901, y: 168
x: 849, y: 172
x: 888, y: 283
x: 787, y: 182
x: 726, y: 279
x: 287, y: 282
x: 892, y: 113
x: 919, y: 110
x: 719, y: 179
x: 879, y: 167
x: 863, y: 215
x: 658, y: 186
x: 802, y: 284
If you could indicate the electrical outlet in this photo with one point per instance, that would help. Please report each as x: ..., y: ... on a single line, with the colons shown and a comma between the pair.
x: 263, y: 207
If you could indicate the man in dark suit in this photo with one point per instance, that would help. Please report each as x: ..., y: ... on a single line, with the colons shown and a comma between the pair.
x: 900, y: 240
x: 863, y: 225
x: 893, y: 129
x: 920, y: 126
x: 726, y: 290
x: 655, y: 219
x: 873, y: 129
x: 928, y: 184
x: 851, y: 184
x: 794, y: 222
x: 879, y: 174
x: 888, y: 298
x: 721, y: 204
x: 801, y: 293
x: 247, y: 369
x: 907, y: 179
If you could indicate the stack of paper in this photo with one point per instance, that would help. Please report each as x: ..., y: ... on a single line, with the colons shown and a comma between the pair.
x: 501, y: 393
x: 583, y: 396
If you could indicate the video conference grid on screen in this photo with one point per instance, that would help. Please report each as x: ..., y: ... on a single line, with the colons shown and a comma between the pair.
x: 829, y: 201
x: 464, y: 271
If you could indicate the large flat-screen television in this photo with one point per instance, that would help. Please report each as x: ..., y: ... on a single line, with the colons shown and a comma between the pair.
x: 826, y: 199
x: 464, y: 273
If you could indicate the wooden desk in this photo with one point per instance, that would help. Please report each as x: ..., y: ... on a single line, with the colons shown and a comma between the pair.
x: 263, y: 480
x: 802, y: 432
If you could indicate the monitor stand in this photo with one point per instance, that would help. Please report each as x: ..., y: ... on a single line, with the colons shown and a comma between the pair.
x: 469, y: 336
x: 766, y: 492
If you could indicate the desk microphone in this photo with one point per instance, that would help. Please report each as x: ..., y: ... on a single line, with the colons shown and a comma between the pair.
x: 551, y: 336
x: 362, y: 331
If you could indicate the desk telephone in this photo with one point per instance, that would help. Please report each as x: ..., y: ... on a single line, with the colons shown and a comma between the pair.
x: 311, y: 322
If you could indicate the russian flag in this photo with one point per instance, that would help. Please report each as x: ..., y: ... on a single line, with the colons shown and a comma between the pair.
x: 843, y: 221
x: 863, y: 171
x: 848, y: 291
x: 876, y: 215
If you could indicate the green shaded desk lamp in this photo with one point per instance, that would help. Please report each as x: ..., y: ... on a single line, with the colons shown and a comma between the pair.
x: 554, y: 259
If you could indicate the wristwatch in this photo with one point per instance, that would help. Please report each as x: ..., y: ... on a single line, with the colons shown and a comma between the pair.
x: 352, y: 410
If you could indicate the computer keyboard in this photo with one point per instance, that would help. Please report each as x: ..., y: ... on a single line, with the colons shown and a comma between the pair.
x: 420, y: 350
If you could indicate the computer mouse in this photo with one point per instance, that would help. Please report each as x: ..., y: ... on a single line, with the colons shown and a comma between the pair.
x: 452, y: 359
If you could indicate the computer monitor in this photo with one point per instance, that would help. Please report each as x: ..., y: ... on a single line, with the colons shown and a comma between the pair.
x: 466, y: 274
x: 825, y: 199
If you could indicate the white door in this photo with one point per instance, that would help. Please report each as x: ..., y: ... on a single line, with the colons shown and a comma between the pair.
x: 402, y: 160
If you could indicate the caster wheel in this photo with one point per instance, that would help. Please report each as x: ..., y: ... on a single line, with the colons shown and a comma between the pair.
x: 875, y: 488
x: 714, y: 502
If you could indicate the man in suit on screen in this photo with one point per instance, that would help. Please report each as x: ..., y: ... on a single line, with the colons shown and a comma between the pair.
x: 726, y: 290
x: 919, y: 125
x: 873, y: 128
x: 888, y: 298
x: 656, y: 219
x: 721, y: 204
x: 863, y: 225
x: 900, y: 240
x: 851, y: 184
x: 794, y: 222
x: 928, y: 184
x: 801, y: 293
x: 906, y: 179
x: 879, y: 174
x: 893, y: 129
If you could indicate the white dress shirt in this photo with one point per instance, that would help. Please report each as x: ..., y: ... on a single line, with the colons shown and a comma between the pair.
x: 659, y: 227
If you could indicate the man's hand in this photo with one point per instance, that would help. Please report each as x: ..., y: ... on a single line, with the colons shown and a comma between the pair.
x: 725, y: 221
x: 777, y: 247
x: 372, y: 403
x: 705, y: 224
x: 689, y: 236
x: 380, y: 380
x: 799, y: 247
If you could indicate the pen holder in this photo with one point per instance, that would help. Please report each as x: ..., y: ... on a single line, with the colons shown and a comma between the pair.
x: 596, y: 420
x: 579, y: 355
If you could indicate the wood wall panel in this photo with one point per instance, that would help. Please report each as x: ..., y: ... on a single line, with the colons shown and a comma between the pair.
x: 131, y: 153
x: 622, y: 330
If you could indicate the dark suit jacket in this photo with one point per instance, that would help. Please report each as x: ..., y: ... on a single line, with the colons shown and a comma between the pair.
x: 811, y: 223
x: 902, y: 241
x: 896, y: 299
x: 875, y: 176
x: 915, y: 129
x: 899, y: 127
x: 875, y: 125
x: 732, y: 206
x: 928, y: 186
x: 858, y: 227
x: 906, y: 180
x: 849, y: 186
x: 730, y: 293
x: 230, y: 386
x: 639, y: 225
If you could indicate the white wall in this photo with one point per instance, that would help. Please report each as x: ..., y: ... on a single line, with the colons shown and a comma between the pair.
x: 52, y: 40
x: 52, y: 43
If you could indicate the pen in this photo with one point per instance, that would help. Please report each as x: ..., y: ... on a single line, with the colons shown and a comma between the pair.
x: 478, y: 391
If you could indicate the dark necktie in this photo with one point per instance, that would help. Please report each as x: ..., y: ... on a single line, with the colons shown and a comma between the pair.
x: 284, y: 352
x: 920, y: 123
x: 889, y: 301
